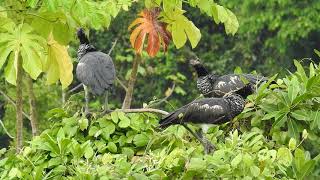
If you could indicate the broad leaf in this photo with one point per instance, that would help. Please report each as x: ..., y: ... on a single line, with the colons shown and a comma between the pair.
x: 21, y: 39
x: 181, y: 28
x: 148, y: 26
x: 58, y: 65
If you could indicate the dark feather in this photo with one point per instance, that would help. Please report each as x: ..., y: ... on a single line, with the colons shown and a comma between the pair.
x: 95, y: 69
x: 211, y: 85
x: 206, y: 111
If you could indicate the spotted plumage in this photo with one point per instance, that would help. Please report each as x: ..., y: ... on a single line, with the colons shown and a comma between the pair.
x: 211, y: 85
x: 206, y: 111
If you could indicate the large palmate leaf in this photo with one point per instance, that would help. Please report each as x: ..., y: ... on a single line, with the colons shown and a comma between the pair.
x: 21, y: 39
x: 58, y: 64
x: 181, y: 28
x: 48, y: 22
x: 148, y: 26
x: 219, y: 14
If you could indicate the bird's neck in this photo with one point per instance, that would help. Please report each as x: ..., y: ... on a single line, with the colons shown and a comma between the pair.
x: 84, y: 49
x: 201, y: 70
x: 84, y: 39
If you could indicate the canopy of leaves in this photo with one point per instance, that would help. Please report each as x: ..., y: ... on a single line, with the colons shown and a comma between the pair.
x: 177, y: 24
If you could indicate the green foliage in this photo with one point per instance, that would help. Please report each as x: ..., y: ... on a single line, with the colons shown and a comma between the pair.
x: 120, y: 145
x: 39, y: 30
x: 68, y: 150
x: 291, y: 103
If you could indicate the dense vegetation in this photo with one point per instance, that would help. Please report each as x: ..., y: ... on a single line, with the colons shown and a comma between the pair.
x: 275, y: 137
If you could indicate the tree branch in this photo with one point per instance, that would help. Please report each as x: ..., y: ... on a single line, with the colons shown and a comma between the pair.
x: 121, y: 84
x: 113, y: 45
x: 75, y: 88
x: 159, y: 111
x: 165, y: 98
x: 5, y: 130
x: 9, y: 99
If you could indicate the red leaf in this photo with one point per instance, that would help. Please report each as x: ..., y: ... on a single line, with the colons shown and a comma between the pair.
x: 148, y: 25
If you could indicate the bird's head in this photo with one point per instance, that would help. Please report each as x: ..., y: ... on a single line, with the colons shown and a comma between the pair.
x: 200, y: 69
x: 80, y: 32
x: 194, y: 62
x: 82, y: 36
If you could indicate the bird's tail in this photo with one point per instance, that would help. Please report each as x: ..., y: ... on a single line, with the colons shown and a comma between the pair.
x: 168, y: 120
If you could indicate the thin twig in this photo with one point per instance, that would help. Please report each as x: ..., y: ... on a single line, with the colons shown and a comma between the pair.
x: 113, y: 45
x: 165, y: 98
x: 121, y: 84
x: 5, y: 130
x: 75, y: 88
x: 141, y: 110
x: 13, y: 103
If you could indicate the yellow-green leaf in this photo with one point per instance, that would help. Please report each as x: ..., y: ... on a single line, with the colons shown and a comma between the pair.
x: 181, y: 28
x: 178, y: 35
x: 59, y: 65
x: 10, y: 70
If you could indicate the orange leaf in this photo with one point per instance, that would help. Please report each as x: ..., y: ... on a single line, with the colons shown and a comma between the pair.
x: 147, y: 25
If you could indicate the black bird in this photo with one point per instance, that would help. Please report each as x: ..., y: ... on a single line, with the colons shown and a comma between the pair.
x: 206, y: 111
x: 95, y: 69
x: 211, y: 85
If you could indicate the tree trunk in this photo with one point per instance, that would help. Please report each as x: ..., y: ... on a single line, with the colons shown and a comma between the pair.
x: 133, y: 77
x: 33, y: 108
x: 19, y: 103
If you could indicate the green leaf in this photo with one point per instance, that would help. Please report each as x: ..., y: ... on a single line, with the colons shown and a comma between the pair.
x: 106, y: 158
x: 179, y: 37
x: 280, y: 121
x: 307, y: 169
x: 32, y: 3
x: 10, y: 70
x: 169, y: 5
x: 196, y: 164
x: 312, y: 70
x: 236, y: 160
x: 140, y: 140
x: 293, y: 130
x: 300, y: 71
x: 15, y: 172
x: 292, y: 144
x: 181, y: 28
x: 228, y: 18
x: 299, y: 159
x: 112, y: 147
x: 317, y: 52
x: 124, y: 120
x: 22, y: 40
x: 61, y: 33
x: 284, y: 156
x: 128, y: 151
x: 88, y: 152
x: 83, y: 124
x: 255, y: 171
x: 301, y: 115
x: 93, y: 130
x: 114, y: 116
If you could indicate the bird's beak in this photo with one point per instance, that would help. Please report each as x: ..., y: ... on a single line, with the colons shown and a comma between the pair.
x: 193, y: 62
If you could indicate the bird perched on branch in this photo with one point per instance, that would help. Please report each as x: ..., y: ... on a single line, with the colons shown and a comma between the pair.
x: 95, y: 69
x: 206, y: 111
x: 211, y: 85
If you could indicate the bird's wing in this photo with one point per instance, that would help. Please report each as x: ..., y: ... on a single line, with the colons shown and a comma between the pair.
x: 85, y: 74
x: 98, y: 71
x: 208, y: 110
x: 226, y: 84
